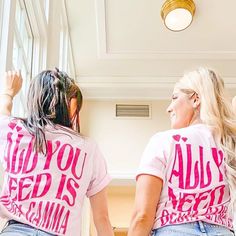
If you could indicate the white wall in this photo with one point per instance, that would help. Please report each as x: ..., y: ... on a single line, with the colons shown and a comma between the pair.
x: 122, y: 140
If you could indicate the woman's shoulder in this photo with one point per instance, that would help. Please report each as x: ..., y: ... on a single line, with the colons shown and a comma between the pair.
x: 75, y: 136
x: 196, y: 130
x: 162, y: 136
x: 10, y: 122
x: 6, y: 119
x: 175, y: 134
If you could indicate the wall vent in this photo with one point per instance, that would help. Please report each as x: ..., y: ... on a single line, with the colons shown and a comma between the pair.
x: 129, y: 110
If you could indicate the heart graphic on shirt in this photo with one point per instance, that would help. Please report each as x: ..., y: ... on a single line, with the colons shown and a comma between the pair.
x: 184, y: 139
x: 12, y: 125
x: 176, y: 137
x: 18, y: 128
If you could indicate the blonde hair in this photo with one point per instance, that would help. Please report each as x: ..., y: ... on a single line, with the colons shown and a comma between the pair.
x: 217, y: 112
x: 234, y: 104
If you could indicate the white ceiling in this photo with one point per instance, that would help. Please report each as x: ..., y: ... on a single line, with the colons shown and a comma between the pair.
x: 122, y: 50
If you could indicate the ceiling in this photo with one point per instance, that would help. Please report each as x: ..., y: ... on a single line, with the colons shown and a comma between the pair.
x: 122, y: 50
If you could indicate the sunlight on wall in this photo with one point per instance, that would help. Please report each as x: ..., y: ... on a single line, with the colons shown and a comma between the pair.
x: 121, y: 203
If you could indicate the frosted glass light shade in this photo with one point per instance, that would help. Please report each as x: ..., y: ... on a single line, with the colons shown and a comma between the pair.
x: 178, y: 14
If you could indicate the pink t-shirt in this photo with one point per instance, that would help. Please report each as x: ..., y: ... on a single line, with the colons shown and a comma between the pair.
x: 48, y: 192
x: 191, y: 165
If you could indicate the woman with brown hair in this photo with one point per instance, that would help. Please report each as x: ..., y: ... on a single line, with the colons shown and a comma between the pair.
x: 49, y: 167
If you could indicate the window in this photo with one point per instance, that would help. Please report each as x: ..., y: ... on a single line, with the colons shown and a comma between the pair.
x: 70, y: 62
x: 24, y: 44
x: 65, y: 54
x: 22, y: 53
x: 46, y: 8
x: 1, y: 9
x: 66, y: 57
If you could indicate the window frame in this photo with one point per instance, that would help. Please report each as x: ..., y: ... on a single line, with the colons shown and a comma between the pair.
x: 24, y: 55
x: 66, y: 60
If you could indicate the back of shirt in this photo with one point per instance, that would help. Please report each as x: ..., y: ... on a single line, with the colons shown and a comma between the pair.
x: 47, y: 191
x: 191, y: 165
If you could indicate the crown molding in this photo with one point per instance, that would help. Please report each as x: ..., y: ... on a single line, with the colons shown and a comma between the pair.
x: 104, y: 52
x: 134, y: 88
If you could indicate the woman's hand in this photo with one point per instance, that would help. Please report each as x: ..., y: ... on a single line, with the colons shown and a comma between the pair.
x: 11, y: 83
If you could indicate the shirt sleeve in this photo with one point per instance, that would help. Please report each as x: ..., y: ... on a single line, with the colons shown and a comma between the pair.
x: 4, y: 129
x: 4, y: 126
x: 100, y: 177
x: 153, y: 161
x: 4, y: 121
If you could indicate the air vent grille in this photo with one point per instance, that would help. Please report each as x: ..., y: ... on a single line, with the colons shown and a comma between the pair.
x: 129, y: 110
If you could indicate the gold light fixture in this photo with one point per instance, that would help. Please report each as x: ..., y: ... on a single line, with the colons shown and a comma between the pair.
x: 177, y: 14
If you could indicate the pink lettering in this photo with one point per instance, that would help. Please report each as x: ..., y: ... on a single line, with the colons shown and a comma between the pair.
x: 24, y: 183
x: 28, y: 187
x: 50, y: 153
x: 41, y: 178
x: 64, y: 223
x: 177, y: 171
x: 48, y: 215
x: 71, y: 187
x: 75, y: 162
x: 202, y: 170
x: 218, y: 161
x: 61, y: 155
x: 61, y: 186
x: 189, y: 170
x: 26, y: 168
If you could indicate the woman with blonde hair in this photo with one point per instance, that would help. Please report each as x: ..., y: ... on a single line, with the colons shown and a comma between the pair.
x: 187, y: 176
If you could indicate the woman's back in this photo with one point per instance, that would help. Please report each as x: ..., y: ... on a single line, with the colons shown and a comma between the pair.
x: 49, y: 167
x: 191, y: 165
x: 186, y: 181
x: 47, y: 191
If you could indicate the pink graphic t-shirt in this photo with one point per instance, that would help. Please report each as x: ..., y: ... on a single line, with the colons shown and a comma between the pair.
x: 191, y: 165
x: 48, y: 191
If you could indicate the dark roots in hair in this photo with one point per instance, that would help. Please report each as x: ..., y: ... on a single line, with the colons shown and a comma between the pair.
x: 49, y: 98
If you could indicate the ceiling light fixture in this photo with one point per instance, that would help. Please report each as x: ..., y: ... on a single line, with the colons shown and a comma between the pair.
x: 177, y: 14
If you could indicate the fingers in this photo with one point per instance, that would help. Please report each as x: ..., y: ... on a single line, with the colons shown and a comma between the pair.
x: 10, y: 75
x: 12, y: 82
x: 14, y: 74
x: 18, y: 72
